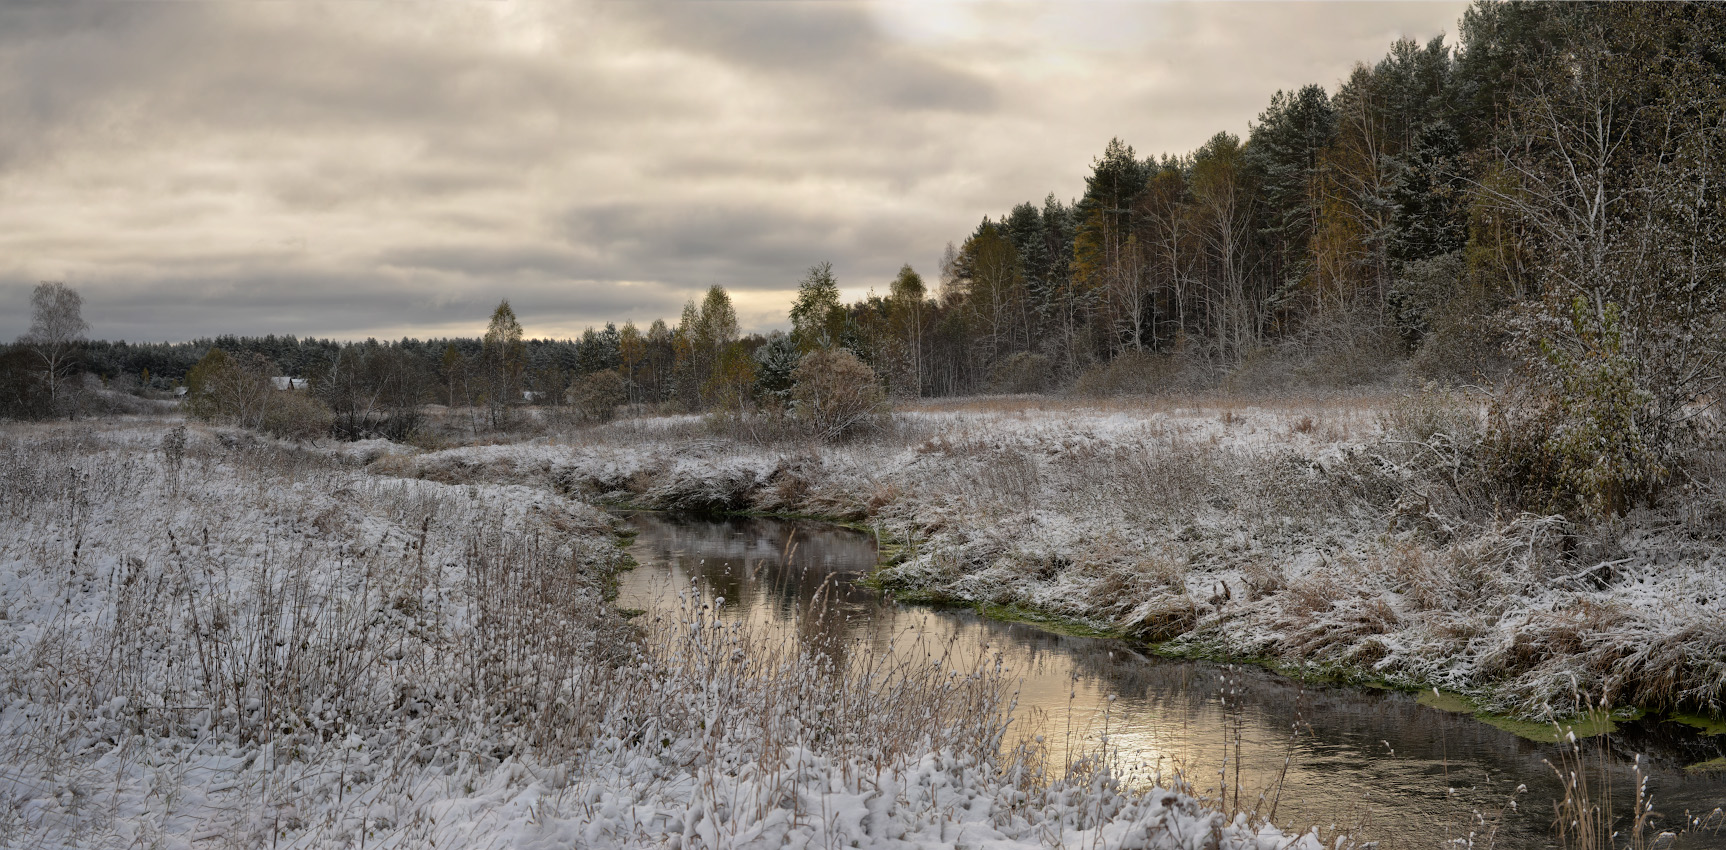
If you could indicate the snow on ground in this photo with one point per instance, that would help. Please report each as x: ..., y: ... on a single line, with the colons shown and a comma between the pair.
x: 1338, y: 535
x: 209, y: 639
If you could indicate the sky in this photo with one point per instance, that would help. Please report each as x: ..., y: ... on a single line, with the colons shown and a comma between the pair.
x: 387, y: 168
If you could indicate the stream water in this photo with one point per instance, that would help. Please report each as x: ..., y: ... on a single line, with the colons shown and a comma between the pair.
x: 1374, y: 764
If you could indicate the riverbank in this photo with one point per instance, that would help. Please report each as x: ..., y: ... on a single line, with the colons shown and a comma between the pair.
x: 1323, y: 537
x: 212, y: 639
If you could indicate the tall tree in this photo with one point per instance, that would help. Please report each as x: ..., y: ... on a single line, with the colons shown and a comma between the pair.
x: 632, y: 356
x: 661, y: 359
x: 504, y: 359
x: 687, y: 374
x: 906, y: 310
x: 714, y: 334
x: 1225, y: 204
x: 989, y: 275
x: 1165, y: 223
x: 56, y: 332
x: 817, y: 319
x: 1107, y: 266
x: 1286, y: 148
x: 1427, y: 196
x: 1616, y: 173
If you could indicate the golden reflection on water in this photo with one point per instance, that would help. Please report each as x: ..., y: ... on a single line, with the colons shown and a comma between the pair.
x: 1376, y: 765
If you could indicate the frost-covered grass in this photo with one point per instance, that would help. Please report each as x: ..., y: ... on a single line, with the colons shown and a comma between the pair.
x: 1339, y: 535
x: 223, y: 641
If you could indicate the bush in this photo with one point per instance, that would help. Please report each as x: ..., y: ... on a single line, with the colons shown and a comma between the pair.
x: 1444, y: 316
x: 1023, y: 372
x: 596, y: 396
x: 1464, y: 346
x: 1130, y: 374
x: 1570, y: 433
x: 294, y: 415
x: 1335, y: 348
x: 1433, y: 412
x: 835, y: 394
x: 230, y: 389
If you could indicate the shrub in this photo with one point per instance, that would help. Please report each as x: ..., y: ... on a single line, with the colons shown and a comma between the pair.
x: 1571, y: 433
x: 1130, y: 374
x: 835, y: 394
x: 596, y: 396
x: 23, y: 386
x: 1023, y: 372
x: 226, y: 388
x: 294, y: 415
x: 1433, y: 412
x: 1443, y: 315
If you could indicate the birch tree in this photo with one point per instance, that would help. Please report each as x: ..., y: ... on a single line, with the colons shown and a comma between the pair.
x: 57, y: 329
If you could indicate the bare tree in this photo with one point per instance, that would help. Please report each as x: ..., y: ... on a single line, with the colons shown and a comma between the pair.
x: 1615, y: 176
x: 56, y: 330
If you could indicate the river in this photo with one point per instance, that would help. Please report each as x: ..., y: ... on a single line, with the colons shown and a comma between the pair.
x: 1376, y: 765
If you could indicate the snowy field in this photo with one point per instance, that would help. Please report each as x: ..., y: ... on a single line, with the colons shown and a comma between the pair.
x: 1340, y: 536
x: 209, y: 639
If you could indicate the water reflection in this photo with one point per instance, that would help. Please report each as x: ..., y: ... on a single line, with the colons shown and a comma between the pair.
x: 1376, y: 764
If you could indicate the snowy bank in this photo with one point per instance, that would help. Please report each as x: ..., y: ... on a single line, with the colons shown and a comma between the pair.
x: 1331, y: 537
x: 214, y: 640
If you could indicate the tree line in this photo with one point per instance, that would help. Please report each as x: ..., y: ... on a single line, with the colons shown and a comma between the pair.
x: 1536, y: 205
x: 1406, y: 212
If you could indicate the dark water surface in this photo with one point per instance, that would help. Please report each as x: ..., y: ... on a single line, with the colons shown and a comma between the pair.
x: 1375, y: 764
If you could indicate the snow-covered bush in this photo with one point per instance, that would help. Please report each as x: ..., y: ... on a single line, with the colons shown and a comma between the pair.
x: 836, y: 394
x: 296, y: 415
x: 1577, y: 433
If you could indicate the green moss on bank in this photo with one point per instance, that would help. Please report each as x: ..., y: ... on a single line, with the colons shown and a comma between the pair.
x: 1049, y: 622
x: 1708, y: 725
x: 1546, y: 732
x: 1717, y: 765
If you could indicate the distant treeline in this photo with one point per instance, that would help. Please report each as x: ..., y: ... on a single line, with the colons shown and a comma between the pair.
x: 1456, y: 205
x: 163, y: 365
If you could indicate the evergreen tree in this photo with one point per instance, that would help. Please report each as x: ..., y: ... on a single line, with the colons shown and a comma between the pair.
x: 1428, y: 195
x: 775, y: 360
x: 1286, y: 149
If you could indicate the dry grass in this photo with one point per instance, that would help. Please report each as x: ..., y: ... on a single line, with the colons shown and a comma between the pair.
x: 268, y: 644
x: 1053, y: 502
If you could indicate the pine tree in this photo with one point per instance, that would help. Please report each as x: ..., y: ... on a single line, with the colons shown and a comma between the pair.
x: 1286, y: 150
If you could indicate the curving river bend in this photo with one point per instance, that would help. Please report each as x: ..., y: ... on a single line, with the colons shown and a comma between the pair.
x: 1374, y: 764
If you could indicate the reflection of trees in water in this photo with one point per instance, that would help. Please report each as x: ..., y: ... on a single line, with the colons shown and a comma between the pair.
x: 774, y: 572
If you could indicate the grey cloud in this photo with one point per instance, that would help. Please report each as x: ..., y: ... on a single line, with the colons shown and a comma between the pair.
x: 834, y: 51
x: 487, y: 261
x: 348, y: 169
x: 742, y: 247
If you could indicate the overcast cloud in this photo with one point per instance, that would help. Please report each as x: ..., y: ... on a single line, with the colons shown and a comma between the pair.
x: 363, y: 168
